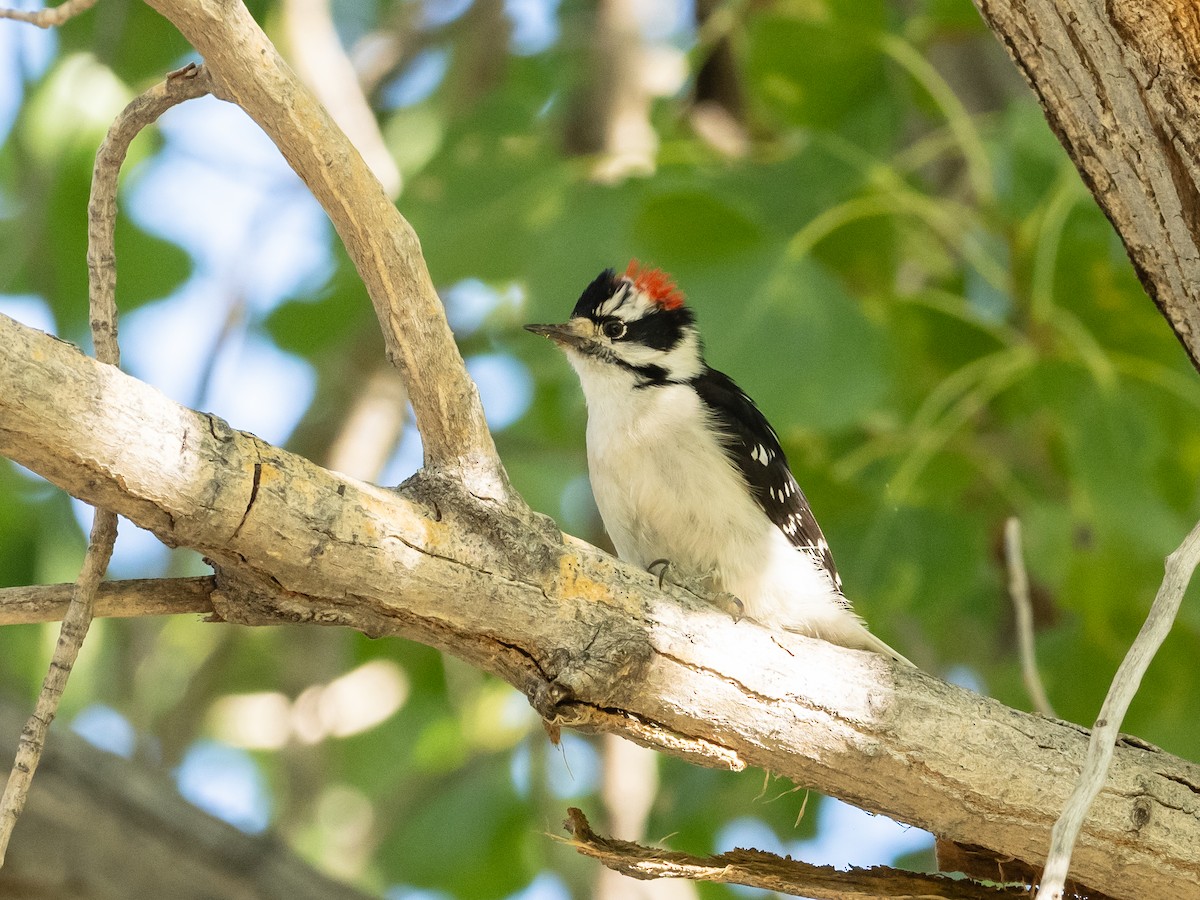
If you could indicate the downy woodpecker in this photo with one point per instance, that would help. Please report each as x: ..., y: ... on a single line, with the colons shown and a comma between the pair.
x: 686, y: 470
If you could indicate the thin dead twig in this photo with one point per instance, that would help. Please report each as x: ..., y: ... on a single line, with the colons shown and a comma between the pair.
x: 51, y: 17
x: 115, y: 599
x: 1018, y: 589
x: 1179, y: 568
x: 70, y: 638
x: 184, y: 84
x: 756, y: 868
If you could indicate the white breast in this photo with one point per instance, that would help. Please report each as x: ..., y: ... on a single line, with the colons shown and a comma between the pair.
x: 666, y: 490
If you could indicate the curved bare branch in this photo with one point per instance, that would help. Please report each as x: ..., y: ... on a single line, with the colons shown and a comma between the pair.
x: 247, y: 70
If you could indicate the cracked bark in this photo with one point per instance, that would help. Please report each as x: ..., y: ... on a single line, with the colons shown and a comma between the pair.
x: 1119, y: 81
x: 593, y: 643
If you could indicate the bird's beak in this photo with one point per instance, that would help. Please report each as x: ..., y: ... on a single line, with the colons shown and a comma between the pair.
x: 574, y: 333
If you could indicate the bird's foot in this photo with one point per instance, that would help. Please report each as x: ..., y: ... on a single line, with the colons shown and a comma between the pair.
x: 700, y: 587
x: 730, y: 604
x: 662, y: 565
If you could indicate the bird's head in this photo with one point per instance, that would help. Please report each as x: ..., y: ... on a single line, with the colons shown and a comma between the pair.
x: 636, y: 323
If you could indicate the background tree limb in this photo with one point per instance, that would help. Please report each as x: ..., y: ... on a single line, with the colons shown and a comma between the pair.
x: 106, y: 828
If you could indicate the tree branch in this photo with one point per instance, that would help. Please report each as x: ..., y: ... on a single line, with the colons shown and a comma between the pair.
x: 143, y: 110
x: 76, y: 620
x: 115, y: 599
x: 247, y: 70
x: 756, y: 868
x: 320, y: 59
x: 1018, y: 591
x: 589, y: 640
x: 1117, y: 80
x: 51, y: 16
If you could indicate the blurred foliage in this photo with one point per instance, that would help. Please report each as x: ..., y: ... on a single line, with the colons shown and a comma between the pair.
x: 903, y: 269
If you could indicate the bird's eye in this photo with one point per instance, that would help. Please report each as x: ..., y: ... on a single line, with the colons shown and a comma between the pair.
x: 613, y: 329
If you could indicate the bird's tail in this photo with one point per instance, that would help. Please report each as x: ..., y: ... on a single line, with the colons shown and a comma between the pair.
x: 875, y: 645
x: 849, y: 630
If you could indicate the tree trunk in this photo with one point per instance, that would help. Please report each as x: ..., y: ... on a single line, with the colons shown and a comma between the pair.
x: 1119, y: 81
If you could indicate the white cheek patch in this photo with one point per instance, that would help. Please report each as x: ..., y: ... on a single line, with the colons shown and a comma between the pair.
x: 681, y: 363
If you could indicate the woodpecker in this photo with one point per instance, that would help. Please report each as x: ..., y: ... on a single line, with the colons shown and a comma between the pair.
x: 687, y: 471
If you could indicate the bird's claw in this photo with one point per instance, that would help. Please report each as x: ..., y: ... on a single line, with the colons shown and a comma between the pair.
x: 665, y: 564
x: 704, y: 589
x: 730, y: 604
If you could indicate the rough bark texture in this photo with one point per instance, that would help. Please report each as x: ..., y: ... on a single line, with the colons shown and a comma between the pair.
x: 1119, y: 81
x: 102, y: 828
x: 590, y: 641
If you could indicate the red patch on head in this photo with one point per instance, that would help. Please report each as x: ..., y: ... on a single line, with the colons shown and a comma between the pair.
x: 655, y: 284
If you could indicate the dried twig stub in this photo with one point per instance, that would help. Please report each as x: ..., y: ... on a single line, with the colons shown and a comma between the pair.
x: 1018, y: 589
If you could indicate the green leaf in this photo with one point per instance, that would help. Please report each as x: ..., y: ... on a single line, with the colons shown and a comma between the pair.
x: 690, y: 227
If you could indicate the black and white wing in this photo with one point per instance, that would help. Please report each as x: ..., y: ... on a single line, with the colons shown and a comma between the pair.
x: 753, y: 447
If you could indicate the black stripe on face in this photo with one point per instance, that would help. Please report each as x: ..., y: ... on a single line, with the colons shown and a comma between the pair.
x: 651, y: 376
x: 601, y: 289
x: 662, y: 329
x: 647, y: 375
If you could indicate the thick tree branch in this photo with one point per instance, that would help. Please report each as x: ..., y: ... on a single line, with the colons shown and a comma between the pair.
x: 589, y: 640
x: 247, y: 70
x: 1118, y: 81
